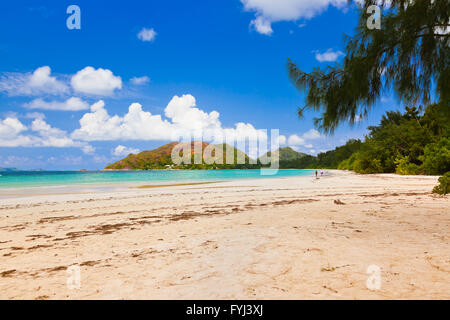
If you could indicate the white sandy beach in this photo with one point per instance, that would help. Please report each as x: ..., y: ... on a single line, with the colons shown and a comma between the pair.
x: 282, y: 238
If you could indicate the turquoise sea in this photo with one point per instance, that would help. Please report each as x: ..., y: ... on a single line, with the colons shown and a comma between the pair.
x: 18, y: 179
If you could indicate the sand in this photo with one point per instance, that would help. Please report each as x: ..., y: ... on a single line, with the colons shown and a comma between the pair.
x: 283, y: 238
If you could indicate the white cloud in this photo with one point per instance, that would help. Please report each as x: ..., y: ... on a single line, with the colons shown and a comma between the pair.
x: 268, y: 11
x: 13, y: 133
x: 185, y: 120
x: 282, y: 140
x: 71, y: 104
x: 35, y: 115
x: 328, y: 56
x: 147, y: 35
x: 295, y: 140
x: 50, y: 137
x: 88, y: 149
x: 120, y: 151
x: 98, y: 125
x: 262, y: 26
x: 140, y: 80
x: 311, y: 134
x: 40, y: 82
x: 186, y: 117
x: 96, y: 81
x: 29, y: 84
x: 10, y: 128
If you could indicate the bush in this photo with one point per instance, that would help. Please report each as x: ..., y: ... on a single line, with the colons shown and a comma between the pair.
x: 348, y: 164
x: 436, y: 158
x: 404, y: 167
x: 444, y: 186
x: 364, y: 163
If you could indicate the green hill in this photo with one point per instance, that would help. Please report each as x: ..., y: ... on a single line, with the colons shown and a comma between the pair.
x: 285, y: 154
x: 161, y: 158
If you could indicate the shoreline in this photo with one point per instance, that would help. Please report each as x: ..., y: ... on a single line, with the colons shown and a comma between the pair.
x: 96, y: 186
x: 282, y: 238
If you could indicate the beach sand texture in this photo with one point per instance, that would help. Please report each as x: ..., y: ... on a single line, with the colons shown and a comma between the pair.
x: 281, y: 238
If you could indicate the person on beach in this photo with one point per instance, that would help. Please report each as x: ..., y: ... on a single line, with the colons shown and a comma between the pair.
x: 316, y: 175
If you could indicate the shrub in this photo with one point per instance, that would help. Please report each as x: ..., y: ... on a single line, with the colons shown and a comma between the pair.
x: 348, y: 164
x: 436, y: 158
x: 404, y: 167
x: 364, y: 163
x: 444, y: 185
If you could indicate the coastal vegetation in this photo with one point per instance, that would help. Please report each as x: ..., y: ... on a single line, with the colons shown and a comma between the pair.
x: 408, y: 55
x: 444, y: 185
x: 408, y: 143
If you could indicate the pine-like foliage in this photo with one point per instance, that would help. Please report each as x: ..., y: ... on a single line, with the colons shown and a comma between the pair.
x: 409, y: 54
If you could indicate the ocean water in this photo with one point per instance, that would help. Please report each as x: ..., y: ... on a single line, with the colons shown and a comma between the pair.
x: 19, y: 179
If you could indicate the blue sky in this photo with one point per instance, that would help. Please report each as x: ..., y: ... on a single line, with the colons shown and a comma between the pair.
x: 228, y: 56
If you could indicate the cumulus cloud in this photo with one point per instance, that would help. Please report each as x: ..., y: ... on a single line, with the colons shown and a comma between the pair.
x: 40, y: 82
x: 328, y: 56
x: 122, y: 151
x: 13, y: 133
x: 312, y: 134
x: 140, y: 80
x: 35, y: 115
x: 96, y: 81
x: 269, y: 11
x: 29, y: 84
x: 147, y: 35
x: 71, y: 104
x: 88, y: 149
x: 49, y: 136
x: 10, y: 128
x: 262, y: 26
x: 137, y: 124
x: 296, y: 140
x: 184, y: 119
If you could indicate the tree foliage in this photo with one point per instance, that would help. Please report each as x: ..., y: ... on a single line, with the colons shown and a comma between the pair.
x: 409, y: 54
x: 415, y: 142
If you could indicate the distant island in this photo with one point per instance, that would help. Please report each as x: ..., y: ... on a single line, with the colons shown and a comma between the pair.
x: 160, y: 158
x: 8, y: 169
x: 17, y: 169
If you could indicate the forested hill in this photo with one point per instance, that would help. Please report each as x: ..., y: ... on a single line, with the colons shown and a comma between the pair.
x: 161, y: 158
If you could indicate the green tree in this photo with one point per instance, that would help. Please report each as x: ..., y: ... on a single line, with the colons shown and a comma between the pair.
x: 409, y: 54
x: 436, y: 158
